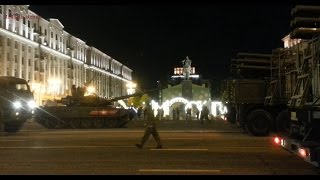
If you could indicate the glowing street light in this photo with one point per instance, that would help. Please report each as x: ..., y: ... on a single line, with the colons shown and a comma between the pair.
x: 90, y: 90
x: 131, y: 88
x: 54, y: 86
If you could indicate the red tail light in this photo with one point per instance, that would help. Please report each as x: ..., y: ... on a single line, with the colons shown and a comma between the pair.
x: 303, y: 152
x: 277, y: 140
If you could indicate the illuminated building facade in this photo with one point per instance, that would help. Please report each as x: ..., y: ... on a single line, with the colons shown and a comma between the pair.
x: 52, y: 59
x: 182, y: 94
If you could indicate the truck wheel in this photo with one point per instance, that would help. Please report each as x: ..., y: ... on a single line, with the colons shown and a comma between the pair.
x: 259, y: 122
x: 283, y: 121
x: 12, y: 127
x: 232, y: 116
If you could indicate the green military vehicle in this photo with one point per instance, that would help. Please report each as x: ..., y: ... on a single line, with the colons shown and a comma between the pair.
x: 16, y: 103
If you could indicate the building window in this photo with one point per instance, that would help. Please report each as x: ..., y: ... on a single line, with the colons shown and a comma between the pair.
x: 24, y: 20
x: 10, y: 13
x: 51, y: 34
x: 29, y: 49
x: 23, y: 47
x: 45, y: 32
x: 16, y: 44
x: 8, y: 56
x: 29, y: 63
x: 8, y: 42
x: 23, y: 33
x: 29, y: 24
x: 22, y: 60
x: 17, y: 16
x: 56, y: 36
x: 60, y: 39
x: 34, y: 26
x: 29, y: 36
x: 0, y: 9
x: 15, y: 58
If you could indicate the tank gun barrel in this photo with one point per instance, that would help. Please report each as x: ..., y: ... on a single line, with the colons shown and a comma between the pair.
x: 133, y: 95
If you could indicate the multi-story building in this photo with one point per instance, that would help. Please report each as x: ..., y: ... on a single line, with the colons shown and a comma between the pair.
x: 53, y: 60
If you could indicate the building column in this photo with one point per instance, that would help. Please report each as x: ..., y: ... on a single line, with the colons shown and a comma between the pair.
x: 19, y: 61
x: 4, y: 56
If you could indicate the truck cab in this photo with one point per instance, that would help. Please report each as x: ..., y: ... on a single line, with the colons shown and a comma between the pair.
x: 16, y: 103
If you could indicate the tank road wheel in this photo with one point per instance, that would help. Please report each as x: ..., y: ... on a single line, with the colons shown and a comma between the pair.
x: 86, y: 123
x: 51, y: 123
x: 123, y: 121
x: 61, y: 124
x: 259, y: 122
x: 98, y: 123
x: 13, y: 127
x: 75, y: 123
x: 283, y: 121
x: 111, y: 123
x: 41, y: 121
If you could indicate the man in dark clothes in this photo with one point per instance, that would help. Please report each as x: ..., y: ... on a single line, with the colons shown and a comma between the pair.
x: 151, y: 128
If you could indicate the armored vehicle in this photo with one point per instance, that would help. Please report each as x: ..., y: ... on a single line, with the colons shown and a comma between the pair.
x: 16, y: 103
x: 79, y: 111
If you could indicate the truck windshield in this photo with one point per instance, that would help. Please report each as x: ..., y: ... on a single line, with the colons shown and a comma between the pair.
x: 14, y: 85
x: 17, y: 86
x: 21, y: 87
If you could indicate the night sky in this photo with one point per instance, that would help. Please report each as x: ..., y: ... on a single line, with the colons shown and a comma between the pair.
x: 153, y: 39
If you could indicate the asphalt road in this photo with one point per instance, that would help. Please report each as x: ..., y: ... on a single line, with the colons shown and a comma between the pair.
x: 215, y: 148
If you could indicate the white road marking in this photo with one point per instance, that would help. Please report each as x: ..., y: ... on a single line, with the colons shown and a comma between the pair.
x: 180, y: 170
x: 60, y: 147
x: 184, y: 138
x: 176, y: 149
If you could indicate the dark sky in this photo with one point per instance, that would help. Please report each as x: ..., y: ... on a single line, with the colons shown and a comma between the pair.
x: 153, y: 39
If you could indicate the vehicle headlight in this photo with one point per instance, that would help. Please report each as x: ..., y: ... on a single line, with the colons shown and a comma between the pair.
x: 17, y: 104
x: 32, y: 104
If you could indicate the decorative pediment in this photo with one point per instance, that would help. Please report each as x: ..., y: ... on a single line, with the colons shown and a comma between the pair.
x: 21, y: 9
x: 56, y: 22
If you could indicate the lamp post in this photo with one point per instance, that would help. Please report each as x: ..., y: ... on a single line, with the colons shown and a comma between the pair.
x: 54, y: 85
x: 160, y: 92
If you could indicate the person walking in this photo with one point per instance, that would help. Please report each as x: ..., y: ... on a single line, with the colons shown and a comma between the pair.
x: 204, y: 114
x: 188, y: 115
x: 150, y: 129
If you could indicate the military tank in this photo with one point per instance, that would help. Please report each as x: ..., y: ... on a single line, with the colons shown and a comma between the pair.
x: 84, y: 112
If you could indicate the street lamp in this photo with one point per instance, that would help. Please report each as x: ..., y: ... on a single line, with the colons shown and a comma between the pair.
x: 90, y: 90
x: 160, y: 92
x: 54, y: 85
x: 131, y: 88
x: 36, y: 87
